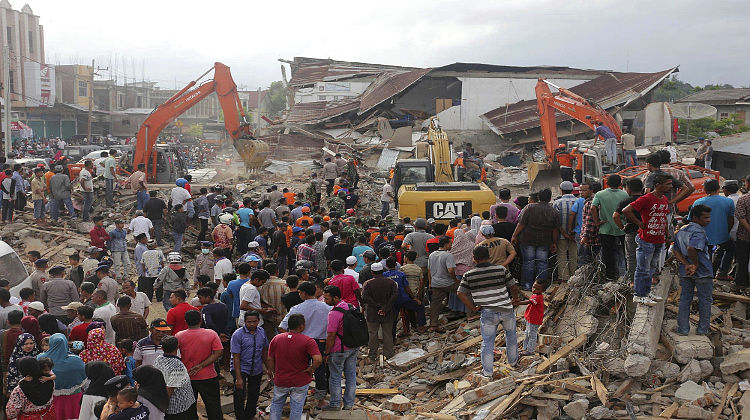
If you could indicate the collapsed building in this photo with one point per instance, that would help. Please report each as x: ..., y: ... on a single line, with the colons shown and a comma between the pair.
x: 374, y: 107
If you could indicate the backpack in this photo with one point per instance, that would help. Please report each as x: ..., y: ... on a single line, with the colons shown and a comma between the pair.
x: 355, y: 328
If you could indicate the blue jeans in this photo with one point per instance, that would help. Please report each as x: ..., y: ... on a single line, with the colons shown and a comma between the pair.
x: 141, y: 198
x: 88, y: 200
x: 55, y: 205
x: 534, y: 261
x: 646, y: 264
x: 488, y: 321
x: 109, y: 183
x: 177, y: 241
x: 385, y: 209
x: 705, y: 287
x: 631, y: 158
x: 38, y: 209
x: 342, y: 362
x: 165, y: 300
x: 532, y: 332
x: 297, y: 397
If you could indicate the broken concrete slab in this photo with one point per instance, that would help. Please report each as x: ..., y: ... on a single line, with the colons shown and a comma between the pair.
x: 689, y: 391
x: 645, y: 328
x: 695, y: 371
x: 496, y: 388
x: 637, y: 365
x: 664, y: 369
x: 736, y: 362
x: 744, y: 405
x: 578, y: 319
x: 405, y: 358
x: 601, y: 412
x: 687, y: 347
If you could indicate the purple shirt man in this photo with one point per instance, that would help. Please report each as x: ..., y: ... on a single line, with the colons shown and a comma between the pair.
x: 605, y: 132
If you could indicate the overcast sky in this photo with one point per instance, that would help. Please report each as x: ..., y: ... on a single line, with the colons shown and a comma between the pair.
x: 173, y: 42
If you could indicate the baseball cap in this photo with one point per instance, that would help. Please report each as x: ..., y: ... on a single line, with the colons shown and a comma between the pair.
x: 729, y: 182
x: 255, y: 258
x: 369, y: 254
x: 376, y: 267
x: 94, y: 249
x: 253, y: 244
x: 431, y: 220
x: 351, y: 260
x: 41, y: 261
x: 114, y: 385
x: 101, y: 267
x: 160, y: 324
x: 56, y: 269
x: 566, y: 186
x: 39, y: 306
x: 297, y: 229
x: 305, y: 209
x: 73, y: 306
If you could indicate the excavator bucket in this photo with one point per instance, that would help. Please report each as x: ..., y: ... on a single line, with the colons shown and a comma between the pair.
x: 253, y: 153
x: 543, y: 175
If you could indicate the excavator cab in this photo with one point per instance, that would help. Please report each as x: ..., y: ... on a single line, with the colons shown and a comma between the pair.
x: 409, y: 172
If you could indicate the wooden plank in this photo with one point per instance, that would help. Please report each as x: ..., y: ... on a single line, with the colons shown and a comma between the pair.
x: 670, y: 411
x: 377, y: 391
x: 469, y: 343
x: 553, y: 396
x: 408, y: 372
x: 499, y: 410
x: 437, y: 416
x: 623, y: 388
x: 601, y: 390
x: 731, y: 297
x: 563, y: 352
x: 727, y: 392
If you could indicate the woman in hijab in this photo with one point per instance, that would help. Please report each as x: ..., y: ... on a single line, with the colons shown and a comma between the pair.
x: 152, y: 391
x: 71, y: 373
x: 476, y: 223
x: 48, y: 324
x: 98, y: 374
x: 31, y: 326
x: 25, y: 347
x: 462, y: 251
x: 98, y: 349
x: 31, y: 400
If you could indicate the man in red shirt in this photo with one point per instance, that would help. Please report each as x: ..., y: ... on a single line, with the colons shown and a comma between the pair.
x: 176, y: 315
x: 351, y: 293
x: 199, y: 349
x: 99, y: 236
x: 652, y: 227
x: 289, y: 357
x: 78, y: 333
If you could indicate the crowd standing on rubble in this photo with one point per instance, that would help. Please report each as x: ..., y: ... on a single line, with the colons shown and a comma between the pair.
x: 295, y: 285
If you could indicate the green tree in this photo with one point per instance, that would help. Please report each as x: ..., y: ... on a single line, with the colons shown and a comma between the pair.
x: 195, y: 130
x: 702, y: 126
x: 276, y: 98
x: 671, y: 90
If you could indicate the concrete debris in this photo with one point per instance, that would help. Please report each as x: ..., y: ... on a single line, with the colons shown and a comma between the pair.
x: 405, y: 358
x: 689, y: 391
x: 736, y: 362
x: 693, y: 412
x: 577, y: 409
x: 637, y: 365
x: 601, y: 412
x: 398, y: 403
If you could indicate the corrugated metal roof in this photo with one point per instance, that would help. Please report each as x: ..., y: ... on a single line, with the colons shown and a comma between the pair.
x: 306, y: 71
x: 718, y: 96
x: 736, y: 143
x: 386, y: 85
x: 609, y: 90
x: 387, y: 159
x: 315, y: 112
x: 493, y: 68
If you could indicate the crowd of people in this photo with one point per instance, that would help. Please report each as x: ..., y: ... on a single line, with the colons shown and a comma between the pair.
x: 294, y: 285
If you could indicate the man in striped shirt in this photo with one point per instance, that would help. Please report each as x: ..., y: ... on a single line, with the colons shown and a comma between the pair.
x: 485, y: 289
x: 567, y: 246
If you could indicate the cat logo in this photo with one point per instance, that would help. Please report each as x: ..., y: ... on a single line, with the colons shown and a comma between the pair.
x: 448, y: 209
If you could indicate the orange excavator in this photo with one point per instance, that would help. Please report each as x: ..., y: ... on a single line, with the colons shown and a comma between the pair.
x: 547, y: 174
x: 253, y: 152
x: 588, y: 153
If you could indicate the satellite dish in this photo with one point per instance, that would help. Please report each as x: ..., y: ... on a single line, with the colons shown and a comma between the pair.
x: 692, y: 110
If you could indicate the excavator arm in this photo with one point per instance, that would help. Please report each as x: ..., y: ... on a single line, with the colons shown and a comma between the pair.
x: 235, y: 120
x: 572, y: 105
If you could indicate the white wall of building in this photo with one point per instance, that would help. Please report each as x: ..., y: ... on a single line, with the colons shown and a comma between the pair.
x: 330, y: 91
x: 480, y: 95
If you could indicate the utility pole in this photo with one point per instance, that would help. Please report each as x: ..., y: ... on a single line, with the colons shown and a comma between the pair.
x: 91, y: 101
x: 6, y: 97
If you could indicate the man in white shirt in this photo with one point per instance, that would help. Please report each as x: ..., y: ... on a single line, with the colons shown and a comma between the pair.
x: 139, y: 302
x: 141, y: 224
x: 386, y: 199
x: 180, y: 196
x: 86, y: 178
x: 250, y: 297
x: 223, y: 265
x: 351, y: 262
x: 104, y: 310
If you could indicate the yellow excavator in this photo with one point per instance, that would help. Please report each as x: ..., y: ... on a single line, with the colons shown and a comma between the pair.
x: 426, y: 186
